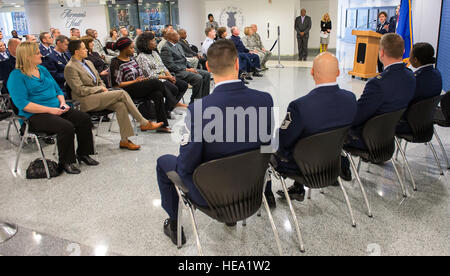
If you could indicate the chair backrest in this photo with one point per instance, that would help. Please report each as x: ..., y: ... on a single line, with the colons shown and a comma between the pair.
x: 379, y: 133
x: 319, y: 157
x: 445, y: 105
x: 233, y: 186
x: 421, y: 119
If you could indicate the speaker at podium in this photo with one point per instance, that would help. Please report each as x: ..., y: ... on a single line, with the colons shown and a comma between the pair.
x: 366, y: 54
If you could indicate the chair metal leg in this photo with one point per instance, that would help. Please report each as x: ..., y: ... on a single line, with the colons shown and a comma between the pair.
x: 309, y: 193
x: 349, y: 206
x: 363, y: 190
x: 19, y: 151
x: 436, y: 157
x: 194, y: 226
x: 274, y: 227
x: 179, y: 226
x: 111, y: 122
x: 42, y: 156
x: 55, y: 148
x: 399, y: 178
x: 8, y: 130
x: 7, y: 231
x: 294, y: 217
x: 98, y: 126
x: 399, y: 147
x: 359, y: 164
x: 442, y: 148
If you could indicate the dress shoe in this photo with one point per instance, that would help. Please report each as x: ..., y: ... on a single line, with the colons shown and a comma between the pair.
x: 49, y: 140
x: 257, y: 74
x: 264, y: 68
x: 258, y: 70
x: 172, y: 234
x: 271, y: 200
x: 151, y: 126
x: 346, y: 174
x: 248, y: 77
x: 129, y: 145
x: 87, y: 160
x: 70, y: 168
x: 233, y: 224
x: 245, y: 81
x: 164, y: 130
x: 295, y: 193
x: 182, y: 105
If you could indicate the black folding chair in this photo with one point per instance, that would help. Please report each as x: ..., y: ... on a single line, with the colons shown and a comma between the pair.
x: 378, y: 135
x: 442, y: 119
x: 28, y: 134
x: 420, y: 118
x: 319, y: 159
x: 233, y: 187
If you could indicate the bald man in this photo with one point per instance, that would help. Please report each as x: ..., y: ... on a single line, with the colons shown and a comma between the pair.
x: 325, y: 108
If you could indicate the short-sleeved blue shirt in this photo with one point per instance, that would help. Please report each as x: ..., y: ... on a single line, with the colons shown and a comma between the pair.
x: 25, y: 89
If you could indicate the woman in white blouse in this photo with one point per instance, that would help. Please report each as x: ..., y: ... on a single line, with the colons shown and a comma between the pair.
x: 153, y: 67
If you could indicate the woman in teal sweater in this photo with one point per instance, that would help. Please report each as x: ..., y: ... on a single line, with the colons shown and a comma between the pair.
x: 39, y: 98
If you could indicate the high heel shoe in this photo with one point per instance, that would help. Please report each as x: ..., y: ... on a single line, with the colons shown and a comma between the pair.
x: 87, y: 160
x: 70, y: 168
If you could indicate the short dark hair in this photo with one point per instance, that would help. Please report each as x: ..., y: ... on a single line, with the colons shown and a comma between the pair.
x: 207, y: 30
x: 74, y: 45
x: 393, y: 45
x: 142, y: 42
x: 210, y: 15
x: 42, y: 35
x: 221, y: 31
x: 424, y: 53
x: 384, y: 13
x: 61, y: 39
x: 73, y: 29
x: 222, y: 56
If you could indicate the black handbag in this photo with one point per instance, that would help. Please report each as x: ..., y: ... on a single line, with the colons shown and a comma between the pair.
x: 36, y: 170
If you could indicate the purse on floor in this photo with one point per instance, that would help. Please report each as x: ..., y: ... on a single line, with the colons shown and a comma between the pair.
x: 36, y: 170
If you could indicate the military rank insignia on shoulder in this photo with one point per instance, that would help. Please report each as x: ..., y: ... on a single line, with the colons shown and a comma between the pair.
x: 379, y: 77
x: 287, y: 121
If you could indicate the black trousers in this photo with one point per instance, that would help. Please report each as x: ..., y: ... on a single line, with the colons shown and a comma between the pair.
x: 152, y: 89
x: 177, y: 90
x: 66, y: 126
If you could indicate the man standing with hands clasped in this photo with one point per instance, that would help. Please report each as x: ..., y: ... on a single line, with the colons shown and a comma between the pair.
x: 303, y: 25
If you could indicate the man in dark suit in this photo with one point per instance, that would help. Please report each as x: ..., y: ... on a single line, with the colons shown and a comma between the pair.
x: 325, y: 108
x: 195, y: 149
x: 46, y: 45
x: 173, y: 57
x: 394, y: 20
x: 193, y: 57
x: 8, y: 65
x: 57, y: 60
x: 251, y: 58
x: 303, y: 25
x: 4, y: 53
x: 391, y: 91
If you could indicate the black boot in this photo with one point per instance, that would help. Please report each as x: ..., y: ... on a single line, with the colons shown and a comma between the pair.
x: 296, y: 192
x: 87, y: 160
x: 170, y: 229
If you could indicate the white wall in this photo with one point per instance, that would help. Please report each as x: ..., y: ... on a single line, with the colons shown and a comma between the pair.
x: 316, y: 9
x: 193, y: 19
x: 280, y: 13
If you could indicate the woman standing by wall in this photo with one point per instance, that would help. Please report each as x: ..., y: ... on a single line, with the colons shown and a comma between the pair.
x: 325, y: 30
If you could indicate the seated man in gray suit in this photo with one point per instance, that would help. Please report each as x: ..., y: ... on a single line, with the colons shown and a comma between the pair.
x: 175, y: 60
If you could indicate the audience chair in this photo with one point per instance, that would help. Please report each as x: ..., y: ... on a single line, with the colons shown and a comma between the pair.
x: 30, y: 135
x: 420, y: 117
x: 319, y: 159
x: 233, y: 187
x: 378, y: 135
x: 7, y: 231
x: 442, y: 119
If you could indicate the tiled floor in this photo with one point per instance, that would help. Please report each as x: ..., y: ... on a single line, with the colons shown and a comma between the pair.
x: 115, y: 208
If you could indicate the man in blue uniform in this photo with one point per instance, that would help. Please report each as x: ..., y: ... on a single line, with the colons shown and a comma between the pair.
x: 7, y: 66
x: 252, y: 59
x: 56, y: 61
x: 46, y: 45
x: 197, y: 146
x: 391, y: 91
x: 325, y: 108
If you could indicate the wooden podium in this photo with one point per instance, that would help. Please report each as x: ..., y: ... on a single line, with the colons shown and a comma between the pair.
x: 366, y: 54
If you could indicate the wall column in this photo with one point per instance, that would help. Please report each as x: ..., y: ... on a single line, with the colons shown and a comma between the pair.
x: 193, y: 20
x: 37, y: 12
